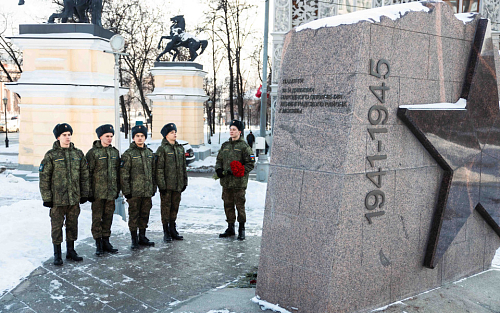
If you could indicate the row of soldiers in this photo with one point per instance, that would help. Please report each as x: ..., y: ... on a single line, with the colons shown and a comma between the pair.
x: 69, y: 178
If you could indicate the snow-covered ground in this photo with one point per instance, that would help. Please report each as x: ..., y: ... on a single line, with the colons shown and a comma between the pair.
x: 25, y: 222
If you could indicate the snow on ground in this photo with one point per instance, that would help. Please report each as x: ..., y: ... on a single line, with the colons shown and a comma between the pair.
x: 21, y: 208
x: 210, y: 161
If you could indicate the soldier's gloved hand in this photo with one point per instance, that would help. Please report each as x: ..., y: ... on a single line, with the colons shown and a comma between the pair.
x: 220, y: 173
x: 183, y: 189
x: 83, y: 200
x: 229, y: 173
x: 128, y: 196
x: 91, y: 199
x: 49, y: 204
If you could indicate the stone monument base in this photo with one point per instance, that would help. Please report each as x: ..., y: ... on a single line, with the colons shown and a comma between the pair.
x: 67, y: 78
x: 178, y: 98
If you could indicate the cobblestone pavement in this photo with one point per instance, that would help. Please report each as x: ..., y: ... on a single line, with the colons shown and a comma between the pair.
x: 148, y: 280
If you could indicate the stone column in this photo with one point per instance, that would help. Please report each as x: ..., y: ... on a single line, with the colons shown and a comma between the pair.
x: 67, y: 78
x: 178, y: 98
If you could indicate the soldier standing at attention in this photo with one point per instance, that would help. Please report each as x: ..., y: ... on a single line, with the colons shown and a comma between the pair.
x: 64, y: 183
x: 171, y: 176
x: 234, y: 163
x: 137, y: 169
x: 104, y: 170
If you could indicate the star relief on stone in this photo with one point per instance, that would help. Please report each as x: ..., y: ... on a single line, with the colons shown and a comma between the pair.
x: 465, y: 141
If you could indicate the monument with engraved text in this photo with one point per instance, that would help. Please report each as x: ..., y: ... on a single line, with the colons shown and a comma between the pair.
x: 384, y: 178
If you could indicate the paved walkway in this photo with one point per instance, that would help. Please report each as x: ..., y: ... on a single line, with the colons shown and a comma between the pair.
x: 158, y: 279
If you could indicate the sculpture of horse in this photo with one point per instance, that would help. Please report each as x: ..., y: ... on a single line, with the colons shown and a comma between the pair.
x: 79, y: 9
x: 179, y: 38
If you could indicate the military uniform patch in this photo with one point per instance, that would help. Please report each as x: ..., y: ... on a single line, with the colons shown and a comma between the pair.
x: 40, y: 169
x: 252, y: 157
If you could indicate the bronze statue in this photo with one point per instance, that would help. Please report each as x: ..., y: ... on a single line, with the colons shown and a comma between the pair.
x: 179, y: 38
x: 78, y: 9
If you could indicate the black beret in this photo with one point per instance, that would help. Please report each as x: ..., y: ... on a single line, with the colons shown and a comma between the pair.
x: 139, y: 129
x: 61, y: 128
x: 238, y: 124
x: 167, y: 129
x: 104, y: 129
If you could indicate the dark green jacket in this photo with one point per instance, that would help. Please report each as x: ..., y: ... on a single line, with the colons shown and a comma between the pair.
x: 104, y: 170
x: 64, y: 175
x: 171, y: 171
x: 237, y: 150
x: 137, y: 169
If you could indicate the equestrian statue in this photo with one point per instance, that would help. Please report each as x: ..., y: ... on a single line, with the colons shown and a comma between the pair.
x: 78, y: 9
x: 179, y: 38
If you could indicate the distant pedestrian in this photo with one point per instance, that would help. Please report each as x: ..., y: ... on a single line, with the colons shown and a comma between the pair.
x: 64, y: 185
x: 250, y: 139
x: 234, y: 163
x: 171, y: 175
x: 104, y: 170
x: 137, y: 169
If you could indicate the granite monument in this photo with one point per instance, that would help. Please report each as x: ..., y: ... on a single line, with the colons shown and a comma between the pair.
x: 384, y: 178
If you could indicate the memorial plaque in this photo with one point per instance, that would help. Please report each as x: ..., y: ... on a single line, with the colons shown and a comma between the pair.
x: 384, y: 178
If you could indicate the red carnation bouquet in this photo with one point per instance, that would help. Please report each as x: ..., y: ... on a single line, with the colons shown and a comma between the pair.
x: 237, y: 169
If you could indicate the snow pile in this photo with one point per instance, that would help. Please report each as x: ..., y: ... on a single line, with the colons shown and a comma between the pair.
x: 461, y: 104
x: 393, y: 12
x: 496, y: 260
x: 268, y: 306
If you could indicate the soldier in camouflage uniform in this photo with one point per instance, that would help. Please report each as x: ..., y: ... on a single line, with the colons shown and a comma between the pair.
x: 233, y: 188
x: 137, y: 169
x: 171, y: 176
x: 64, y: 184
x: 104, y: 169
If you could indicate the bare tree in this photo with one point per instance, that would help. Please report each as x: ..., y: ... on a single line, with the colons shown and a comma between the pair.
x: 9, y: 53
x: 141, y: 27
x: 230, y: 20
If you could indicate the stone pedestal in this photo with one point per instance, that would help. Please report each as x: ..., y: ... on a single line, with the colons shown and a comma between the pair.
x: 67, y: 78
x: 384, y: 178
x: 178, y: 98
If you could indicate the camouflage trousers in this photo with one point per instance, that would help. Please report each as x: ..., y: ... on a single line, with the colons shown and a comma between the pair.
x: 138, y: 212
x: 170, y: 201
x: 232, y: 198
x: 64, y: 215
x: 102, y: 217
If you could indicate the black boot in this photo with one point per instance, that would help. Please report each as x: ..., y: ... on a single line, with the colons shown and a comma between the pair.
x: 98, y: 245
x: 241, y: 231
x: 166, y: 233
x: 135, y: 240
x: 57, y: 255
x: 71, y: 253
x: 143, y: 240
x: 229, y: 231
x: 174, y: 233
x: 107, y: 247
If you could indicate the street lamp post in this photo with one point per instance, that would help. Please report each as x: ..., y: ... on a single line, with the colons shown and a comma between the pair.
x: 117, y: 43
x: 263, y: 162
x: 209, y: 120
x: 6, y: 128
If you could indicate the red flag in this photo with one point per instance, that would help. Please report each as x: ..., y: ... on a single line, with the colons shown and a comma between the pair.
x: 258, y: 94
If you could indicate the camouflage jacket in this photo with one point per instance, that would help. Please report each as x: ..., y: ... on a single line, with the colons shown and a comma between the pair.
x: 237, y: 150
x: 64, y: 175
x: 137, y: 169
x: 171, y: 171
x: 104, y: 170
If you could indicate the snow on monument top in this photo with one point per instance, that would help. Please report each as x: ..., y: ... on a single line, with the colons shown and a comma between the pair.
x: 393, y: 12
